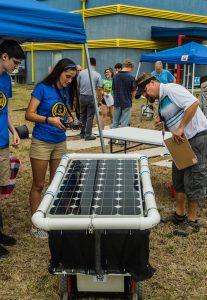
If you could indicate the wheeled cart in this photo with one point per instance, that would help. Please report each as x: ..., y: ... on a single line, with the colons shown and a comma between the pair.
x: 98, y: 211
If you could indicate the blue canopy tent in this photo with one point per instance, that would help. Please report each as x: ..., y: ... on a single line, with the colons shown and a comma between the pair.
x: 188, y: 54
x: 30, y: 20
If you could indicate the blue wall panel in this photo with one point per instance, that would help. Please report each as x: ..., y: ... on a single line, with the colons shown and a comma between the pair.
x: 186, y: 6
x: 42, y: 60
x: 128, y: 26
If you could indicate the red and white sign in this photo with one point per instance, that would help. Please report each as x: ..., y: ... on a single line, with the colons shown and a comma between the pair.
x: 184, y: 57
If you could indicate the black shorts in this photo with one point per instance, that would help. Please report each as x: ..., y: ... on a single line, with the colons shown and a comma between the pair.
x: 103, y: 101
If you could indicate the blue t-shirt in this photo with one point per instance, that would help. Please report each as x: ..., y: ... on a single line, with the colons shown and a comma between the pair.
x: 164, y: 77
x: 5, y: 93
x: 51, y: 105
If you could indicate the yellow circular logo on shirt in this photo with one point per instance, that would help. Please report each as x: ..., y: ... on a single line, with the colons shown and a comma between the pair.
x: 58, y: 110
x: 3, y: 100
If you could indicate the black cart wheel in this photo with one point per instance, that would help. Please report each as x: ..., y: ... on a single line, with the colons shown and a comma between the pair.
x: 63, y: 283
x: 65, y: 296
x: 137, y: 291
x: 64, y: 287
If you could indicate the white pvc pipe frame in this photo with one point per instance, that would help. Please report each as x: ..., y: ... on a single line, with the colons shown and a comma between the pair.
x: 76, y: 222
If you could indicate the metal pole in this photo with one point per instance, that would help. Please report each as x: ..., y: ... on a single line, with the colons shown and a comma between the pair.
x: 184, y: 75
x: 139, y: 65
x: 193, y: 75
x: 188, y: 74
x: 94, y: 99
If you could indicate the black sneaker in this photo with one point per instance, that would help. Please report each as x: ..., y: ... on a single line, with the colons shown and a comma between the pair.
x: 90, y: 138
x: 7, y: 240
x: 187, y: 228
x: 3, y: 251
x: 121, y: 143
x: 174, y: 218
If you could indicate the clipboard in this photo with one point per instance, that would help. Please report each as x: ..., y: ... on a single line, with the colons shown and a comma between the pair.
x: 182, y: 153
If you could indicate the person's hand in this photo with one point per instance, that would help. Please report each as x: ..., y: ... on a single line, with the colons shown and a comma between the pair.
x: 16, y: 140
x: 178, y: 135
x: 56, y: 121
x: 158, y: 123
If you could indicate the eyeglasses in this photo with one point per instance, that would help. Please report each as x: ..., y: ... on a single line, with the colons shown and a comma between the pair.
x: 16, y: 62
x: 70, y: 67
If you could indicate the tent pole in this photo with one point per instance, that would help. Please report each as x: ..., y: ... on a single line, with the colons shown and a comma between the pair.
x: 184, y: 75
x: 188, y: 74
x: 193, y: 75
x: 139, y: 65
x: 94, y: 99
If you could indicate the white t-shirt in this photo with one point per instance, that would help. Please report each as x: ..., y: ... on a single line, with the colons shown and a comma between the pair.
x: 174, y: 99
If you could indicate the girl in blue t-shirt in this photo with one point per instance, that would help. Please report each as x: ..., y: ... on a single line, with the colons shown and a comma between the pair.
x: 47, y: 108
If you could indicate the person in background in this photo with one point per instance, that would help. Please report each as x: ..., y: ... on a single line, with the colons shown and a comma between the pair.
x: 11, y: 55
x: 107, y: 100
x: 164, y: 76
x: 87, y: 108
x: 179, y: 110
x: 47, y: 108
x: 203, y: 102
x: 78, y: 68
x: 117, y: 67
x: 124, y: 90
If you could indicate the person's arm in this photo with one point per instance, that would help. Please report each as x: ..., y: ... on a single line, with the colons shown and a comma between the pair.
x: 99, y: 93
x: 16, y: 138
x: 171, y: 78
x: 31, y: 115
x: 188, y: 115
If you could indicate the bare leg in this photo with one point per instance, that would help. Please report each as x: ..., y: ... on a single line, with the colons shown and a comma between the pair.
x: 39, y: 169
x: 180, y: 204
x: 111, y: 115
x: 53, y: 166
x: 103, y: 115
x: 192, y: 210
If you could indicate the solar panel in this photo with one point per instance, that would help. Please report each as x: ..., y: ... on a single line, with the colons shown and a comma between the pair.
x: 99, y: 187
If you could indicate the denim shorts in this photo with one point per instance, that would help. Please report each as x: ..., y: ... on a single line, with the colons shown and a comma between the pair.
x: 193, y: 180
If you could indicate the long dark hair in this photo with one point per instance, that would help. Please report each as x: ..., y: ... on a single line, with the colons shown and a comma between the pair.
x: 61, y: 66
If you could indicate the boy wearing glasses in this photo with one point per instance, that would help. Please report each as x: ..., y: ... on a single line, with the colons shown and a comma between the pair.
x: 11, y: 55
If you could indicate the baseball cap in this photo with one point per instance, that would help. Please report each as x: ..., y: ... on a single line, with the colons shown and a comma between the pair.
x: 141, y: 83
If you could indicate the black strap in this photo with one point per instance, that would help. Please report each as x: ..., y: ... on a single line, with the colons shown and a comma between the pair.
x: 64, y: 100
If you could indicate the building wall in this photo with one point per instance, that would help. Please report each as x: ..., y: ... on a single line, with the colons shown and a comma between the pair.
x: 186, y: 6
x: 118, y: 26
x: 44, y: 61
x: 128, y: 26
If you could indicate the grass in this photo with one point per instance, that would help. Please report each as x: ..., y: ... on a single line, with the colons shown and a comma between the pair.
x: 181, y: 263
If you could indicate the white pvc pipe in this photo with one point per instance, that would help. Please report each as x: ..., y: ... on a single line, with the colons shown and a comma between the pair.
x: 75, y: 222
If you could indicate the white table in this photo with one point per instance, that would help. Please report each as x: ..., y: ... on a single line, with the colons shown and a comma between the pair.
x: 136, y: 135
